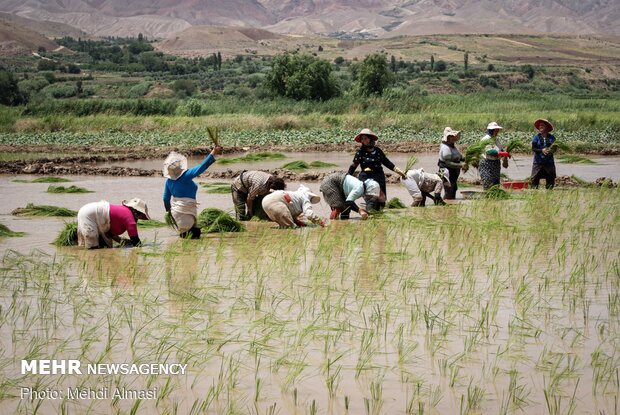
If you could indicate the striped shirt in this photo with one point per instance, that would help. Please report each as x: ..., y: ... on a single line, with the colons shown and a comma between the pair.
x: 254, y: 183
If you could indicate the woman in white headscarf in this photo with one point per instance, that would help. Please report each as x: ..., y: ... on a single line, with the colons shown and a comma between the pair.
x: 180, y: 191
x: 286, y: 208
x: 493, y: 158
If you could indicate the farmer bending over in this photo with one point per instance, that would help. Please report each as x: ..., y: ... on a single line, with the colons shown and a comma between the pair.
x: 421, y: 184
x: 286, y: 208
x: 100, y: 222
x: 341, y: 190
x: 249, y: 186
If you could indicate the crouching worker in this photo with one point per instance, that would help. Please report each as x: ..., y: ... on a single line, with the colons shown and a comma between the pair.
x: 341, y: 190
x: 180, y: 191
x: 286, y: 208
x: 421, y: 184
x: 100, y: 223
x: 249, y: 186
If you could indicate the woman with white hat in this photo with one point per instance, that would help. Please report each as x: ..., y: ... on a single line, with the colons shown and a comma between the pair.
x: 101, y: 222
x: 286, y: 208
x: 180, y: 191
x: 543, y: 166
x: 341, y: 190
x: 493, y: 158
x: 421, y: 184
x: 450, y: 161
x: 372, y: 159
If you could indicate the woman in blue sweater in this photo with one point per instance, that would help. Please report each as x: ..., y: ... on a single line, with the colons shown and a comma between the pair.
x: 180, y: 191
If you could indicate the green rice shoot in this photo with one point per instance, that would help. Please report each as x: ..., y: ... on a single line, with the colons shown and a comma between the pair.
x: 214, y: 135
x: 151, y: 223
x: 575, y: 159
x: 68, y: 236
x: 474, y: 152
x: 496, y: 192
x: 213, y: 220
x: 395, y: 203
x: 216, y: 187
x: 516, y: 144
x: 170, y: 222
x: 5, y: 232
x: 296, y: 165
x: 68, y: 189
x: 43, y: 210
x: 261, y: 156
x: 45, y: 179
x: 411, y: 161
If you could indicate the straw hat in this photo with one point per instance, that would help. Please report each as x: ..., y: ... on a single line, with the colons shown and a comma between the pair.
x: 368, y: 132
x: 372, y: 188
x: 139, y: 205
x: 542, y: 121
x: 174, y: 165
x: 449, y: 132
x: 494, y: 126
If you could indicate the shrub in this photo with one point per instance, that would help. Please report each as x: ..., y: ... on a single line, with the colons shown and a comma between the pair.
x: 374, y: 75
x: 301, y: 77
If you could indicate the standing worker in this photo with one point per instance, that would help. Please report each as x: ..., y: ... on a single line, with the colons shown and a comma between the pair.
x: 249, y: 186
x: 450, y: 161
x: 101, y: 222
x: 543, y: 166
x: 286, y: 208
x: 180, y: 191
x: 490, y: 165
x: 372, y: 159
x: 341, y: 190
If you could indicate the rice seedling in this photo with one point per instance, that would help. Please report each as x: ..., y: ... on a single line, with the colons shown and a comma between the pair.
x: 474, y: 152
x: 296, y: 165
x: 68, y: 236
x: 395, y: 203
x: 43, y: 210
x: 151, y: 223
x: 216, y: 187
x: 516, y: 144
x: 214, y: 135
x: 261, y: 156
x: 574, y: 159
x: 560, y: 146
x: 45, y: 179
x: 496, y: 193
x: 215, y: 220
x: 170, y: 222
x: 411, y: 161
x: 6, y: 232
x: 69, y: 189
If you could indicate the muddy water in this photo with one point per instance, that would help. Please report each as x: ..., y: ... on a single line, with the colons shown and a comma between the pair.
x: 42, y: 231
x: 519, y: 168
x: 419, y: 310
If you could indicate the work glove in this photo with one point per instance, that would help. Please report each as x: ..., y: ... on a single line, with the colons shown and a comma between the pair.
x: 335, y: 213
x: 438, y: 200
x: 399, y: 171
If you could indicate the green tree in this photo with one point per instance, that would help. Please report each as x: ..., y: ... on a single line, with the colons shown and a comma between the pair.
x: 393, y: 64
x: 219, y: 61
x: 301, y: 77
x: 466, y: 61
x: 9, y: 90
x: 373, y: 75
x: 432, y: 63
x: 440, y: 66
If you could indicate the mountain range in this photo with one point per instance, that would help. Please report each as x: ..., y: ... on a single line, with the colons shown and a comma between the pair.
x: 336, y: 18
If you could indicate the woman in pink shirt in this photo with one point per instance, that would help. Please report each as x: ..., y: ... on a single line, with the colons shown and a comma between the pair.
x: 101, y: 222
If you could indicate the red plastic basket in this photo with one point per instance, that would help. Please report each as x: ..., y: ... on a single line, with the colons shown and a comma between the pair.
x: 515, y: 185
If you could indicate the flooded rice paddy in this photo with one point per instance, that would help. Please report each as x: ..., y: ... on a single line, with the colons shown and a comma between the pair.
x: 477, y: 307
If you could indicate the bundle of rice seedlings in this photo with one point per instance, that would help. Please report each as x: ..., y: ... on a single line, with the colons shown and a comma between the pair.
x: 575, y: 159
x: 151, y: 223
x: 496, y: 192
x: 169, y: 219
x: 394, y: 203
x: 43, y: 210
x: 516, y: 145
x: 215, y: 220
x: 214, y: 135
x: 296, y: 165
x: 253, y: 157
x: 44, y: 179
x: 318, y: 163
x: 218, y: 187
x: 474, y: 152
x: 69, y: 189
x: 68, y: 236
x: 410, y: 163
x: 558, y: 145
x: 6, y: 232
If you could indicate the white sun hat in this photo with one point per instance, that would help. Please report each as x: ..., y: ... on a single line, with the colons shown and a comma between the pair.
x: 174, y: 165
x: 494, y: 126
